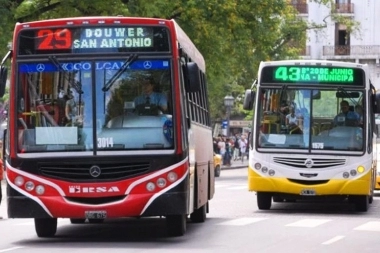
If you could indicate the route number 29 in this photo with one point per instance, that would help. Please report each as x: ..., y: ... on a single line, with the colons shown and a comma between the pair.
x: 54, y: 39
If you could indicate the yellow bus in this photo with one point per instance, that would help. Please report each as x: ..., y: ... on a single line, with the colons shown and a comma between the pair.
x: 313, y: 132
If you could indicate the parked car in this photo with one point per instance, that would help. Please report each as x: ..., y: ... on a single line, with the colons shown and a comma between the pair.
x: 217, y: 164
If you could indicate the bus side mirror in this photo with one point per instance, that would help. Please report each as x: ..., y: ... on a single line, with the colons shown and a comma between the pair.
x: 249, y: 98
x: 192, y: 77
x: 3, y: 79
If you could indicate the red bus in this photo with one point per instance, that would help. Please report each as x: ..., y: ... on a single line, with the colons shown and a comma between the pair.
x: 80, y: 142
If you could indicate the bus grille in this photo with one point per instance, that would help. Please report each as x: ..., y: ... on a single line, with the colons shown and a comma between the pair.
x: 81, y: 172
x: 314, y: 163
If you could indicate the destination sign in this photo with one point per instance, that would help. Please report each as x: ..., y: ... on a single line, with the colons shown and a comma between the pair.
x: 93, y: 39
x: 313, y: 74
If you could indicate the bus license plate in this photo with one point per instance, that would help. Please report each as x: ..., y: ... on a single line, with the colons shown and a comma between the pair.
x: 308, y: 192
x: 95, y: 214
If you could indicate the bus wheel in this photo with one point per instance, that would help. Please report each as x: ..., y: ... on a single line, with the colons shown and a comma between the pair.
x: 199, y: 215
x: 46, y: 227
x: 264, y: 200
x: 217, y: 171
x: 176, y: 224
x: 77, y: 221
x: 361, y: 202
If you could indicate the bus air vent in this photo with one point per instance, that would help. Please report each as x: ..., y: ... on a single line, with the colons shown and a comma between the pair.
x: 81, y: 172
x: 309, y: 163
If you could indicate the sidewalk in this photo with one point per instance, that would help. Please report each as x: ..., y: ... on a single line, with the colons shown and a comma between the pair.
x: 238, y: 164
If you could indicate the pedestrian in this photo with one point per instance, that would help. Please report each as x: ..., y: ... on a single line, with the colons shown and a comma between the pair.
x: 221, y: 146
x: 243, y: 147
x: 227, y: 154
x: 236, y: 148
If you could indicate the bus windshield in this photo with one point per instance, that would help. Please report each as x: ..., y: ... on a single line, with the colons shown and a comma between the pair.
x: 75, y: 105
x: 311, y: 119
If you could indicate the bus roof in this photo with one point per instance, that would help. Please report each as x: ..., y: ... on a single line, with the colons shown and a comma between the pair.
x: 189, y: 47
x: 93, y: 20
x: 313, y: 62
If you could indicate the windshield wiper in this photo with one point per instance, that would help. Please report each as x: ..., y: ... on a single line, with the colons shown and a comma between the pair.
x: 74, y: 83
x: 126, y: 64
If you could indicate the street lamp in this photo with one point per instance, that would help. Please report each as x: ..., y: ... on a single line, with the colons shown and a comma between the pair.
x: 228, y: 103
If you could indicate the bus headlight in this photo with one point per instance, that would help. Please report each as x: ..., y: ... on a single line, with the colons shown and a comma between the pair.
x: 257, y: 166
x: 346, y: 174
x: 19, y: 181
x: 161, y: 182
x: 353, y: 172
x: 264, y: 169
x: 150, y: 186
x: 271, y: 172
x: 172, y: 176
x: 40, y: 189
x: 29, y: 186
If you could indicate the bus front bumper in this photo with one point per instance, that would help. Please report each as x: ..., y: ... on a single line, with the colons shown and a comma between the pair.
x: 358, y: 186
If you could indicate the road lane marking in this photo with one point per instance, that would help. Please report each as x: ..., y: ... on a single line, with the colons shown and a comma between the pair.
x: 241, y: 221
x: 334, y: 239
x: 10, y: 249
x: 369, y: 226
x: 309, y: 223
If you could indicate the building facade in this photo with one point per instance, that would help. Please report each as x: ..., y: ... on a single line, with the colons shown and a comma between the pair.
x: 335, y: 42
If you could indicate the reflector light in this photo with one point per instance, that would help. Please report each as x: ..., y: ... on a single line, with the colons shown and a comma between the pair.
x: 360, y: 169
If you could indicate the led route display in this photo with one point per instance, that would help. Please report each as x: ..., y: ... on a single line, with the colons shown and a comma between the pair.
x: 312, y: 74
x: 93, y: 39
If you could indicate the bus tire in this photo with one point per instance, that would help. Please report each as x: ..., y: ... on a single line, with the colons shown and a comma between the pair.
x: 199, y: 215
x: 264, y: 200
x: 77, y: 221
x: 45, y: 227
x: 217, y: 171
x: 370, y: 197
x: 361, y: 202
x: 176, y: 224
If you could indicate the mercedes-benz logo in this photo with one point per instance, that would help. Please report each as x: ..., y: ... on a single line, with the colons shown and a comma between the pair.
x: 40, y: 67
x: 95, y: 171
x: 147, y: 64
x: 309, y: 163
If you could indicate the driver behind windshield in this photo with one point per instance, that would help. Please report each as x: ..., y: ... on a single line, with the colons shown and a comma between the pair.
x: 346, y: 117
x: 150, y: 97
